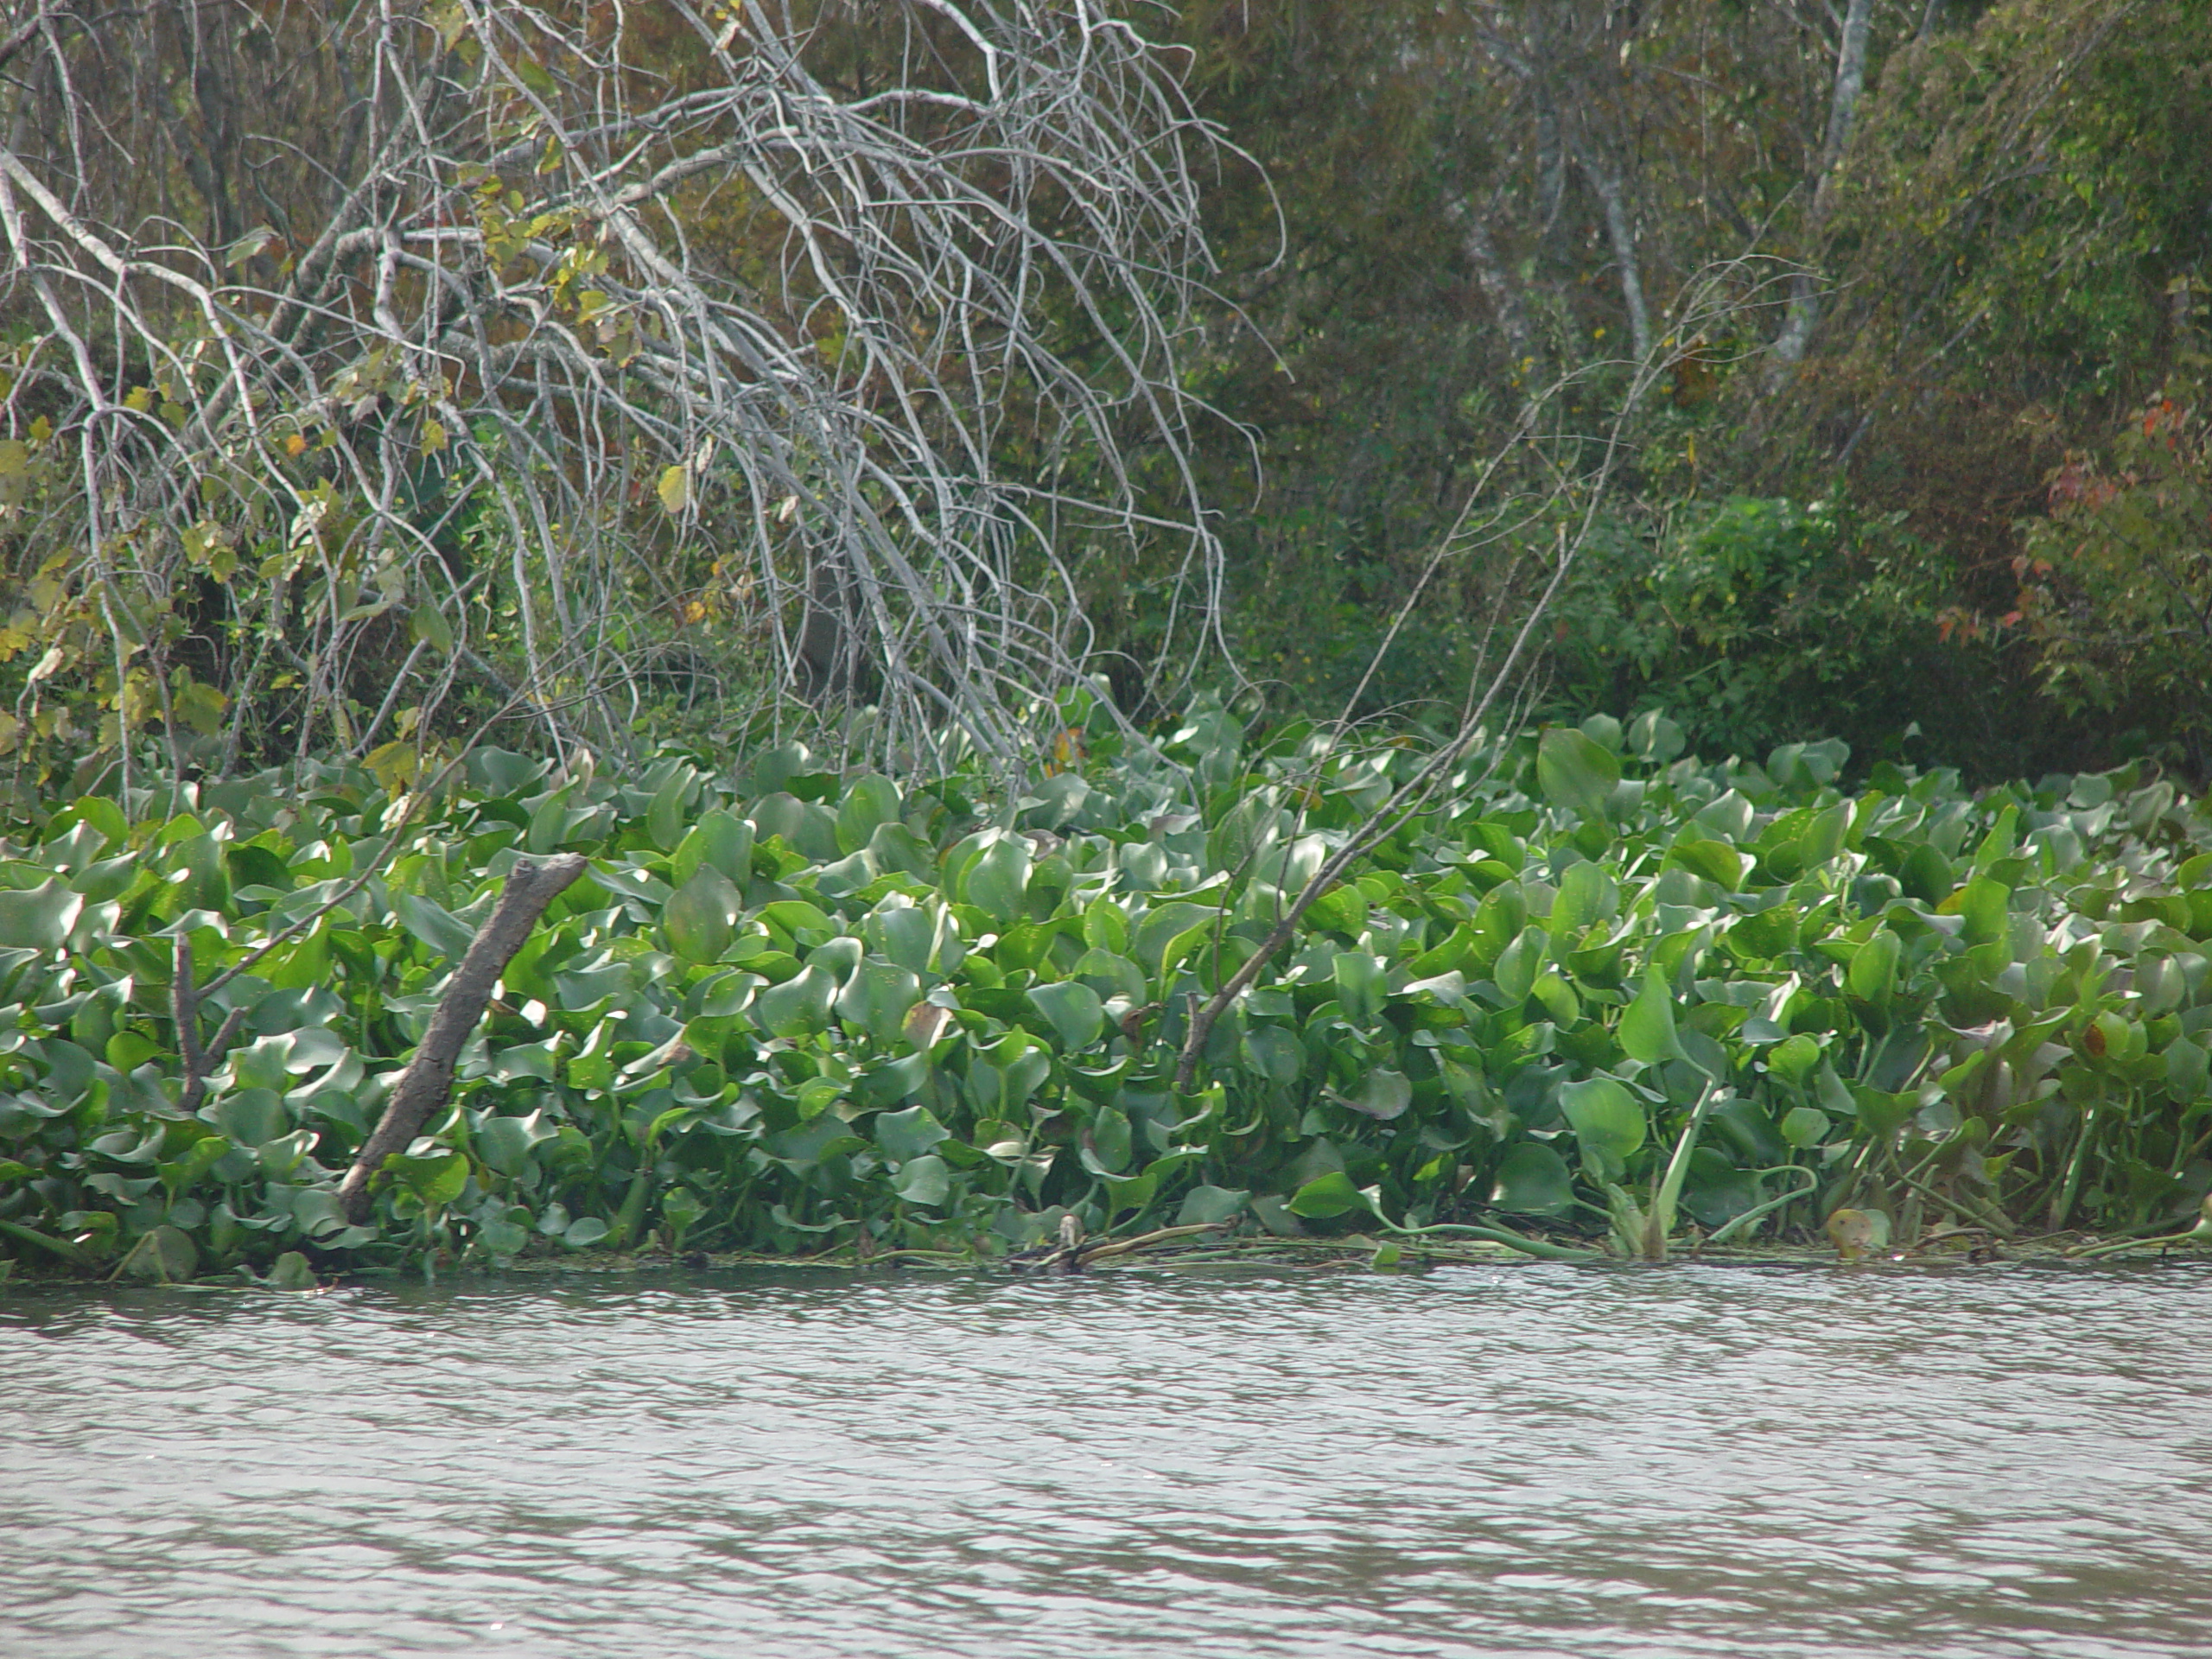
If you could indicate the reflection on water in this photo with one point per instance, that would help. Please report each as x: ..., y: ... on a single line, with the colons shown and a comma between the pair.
x: 1523, y: 1461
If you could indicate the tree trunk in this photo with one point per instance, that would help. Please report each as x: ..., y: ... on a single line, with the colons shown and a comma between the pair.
x: 1804, y: 313
x: 427, y: 1082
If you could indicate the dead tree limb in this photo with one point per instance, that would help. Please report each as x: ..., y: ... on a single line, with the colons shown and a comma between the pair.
x: 427, y: 1082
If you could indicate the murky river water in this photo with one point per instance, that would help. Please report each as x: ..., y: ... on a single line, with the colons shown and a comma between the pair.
x: 1523, y: 1461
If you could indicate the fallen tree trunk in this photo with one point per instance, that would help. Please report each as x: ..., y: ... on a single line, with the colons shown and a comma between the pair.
x: 427, y: 1082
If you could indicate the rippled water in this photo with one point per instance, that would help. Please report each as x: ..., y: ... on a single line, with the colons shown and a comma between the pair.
x: 1524, y: 1460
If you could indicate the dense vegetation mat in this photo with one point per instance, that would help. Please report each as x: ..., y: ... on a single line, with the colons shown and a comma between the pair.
x: 1594, y: 996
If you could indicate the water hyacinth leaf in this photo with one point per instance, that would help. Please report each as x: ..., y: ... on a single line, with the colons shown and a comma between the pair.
x: 1804, y: 1126
x: 1986, y: 905
x: 1872, y: 977
x: 584, y: 1231
x: 1716, y: 861
x: 250, y: 1116
x: 1824, y: 838
x: 1794, y: 1058
x: 1212, y: 1205
x: 437, y: 1180
x: 907, y: 936
x: 290, y: 1271
x: 1532, y: 1179
x: 1243, y: 833
x: 1108, y: 1142
x: 728, y: 995
x: 925, y: 1180
x: 1073, y: 1010
x: 1106, y: 928
x: 38, y: 919
x: 720, y: 839
x: 870, y: 802
x: 504, y: 1143
x: 1359, y: 986
x: 1586, y: 895
x: 1383, y: 1095
x: 910, y: 1133
x: 1518, y: 965
x: 1274, y: 1053
x: 1326, y: 1196
x: 1647, y: 1029
x: 892, y: 1081
x: 1576, y: 773
x: 1926, y: 874
x: 2189, y: 1067
x: 1609, y: 1125
x: 1162, y: 926
x: 894, y: 847
x: 798, y: 1008
x: 665, y: 816
x: 1880, y: 1113
x: 996, y: 881
x: 877, y: 999
x: 699, y: 920
x: 167, y: 1254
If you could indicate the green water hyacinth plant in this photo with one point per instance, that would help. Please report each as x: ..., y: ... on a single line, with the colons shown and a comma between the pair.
x: 1600, y: 998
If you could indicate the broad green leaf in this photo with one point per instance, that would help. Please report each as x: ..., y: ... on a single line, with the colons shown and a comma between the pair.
x: 1586, y: 895
x: 798, y: 1008
x: 720, y: 839
x: 1074, y: 1011
x: 291, y: 1272
x: 1324, y: 1196
x: 1532, y: 1179
x: 1107, y: 1145
x: 251, y: 1117
x: 1382, y: 1094
x: 2188, y: 1066
x: 1359, y: 986
x: 1804, y: 1126
x: 166, y: 1254
x: 1576, y: 773
x: 1872, y: 975
x: 701, y: 919
x: 1609, y: 1125
x: 437, y: 1179
x: 504, y: 1143
x: 1647, y: 1029
x: 665, y: 816
x: 1206, y: 1205
x: 877, y: 999
x: 925, y: 1180
x: 1274, y: 1053
x: 909, y: 1134
x: 1518, y: 965
x: 995, y: 882
x: 446, y: 934
x: 870, y: 802
x: 38, y: 919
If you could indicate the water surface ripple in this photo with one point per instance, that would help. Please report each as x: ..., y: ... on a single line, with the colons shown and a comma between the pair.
x: 1518, y: 1461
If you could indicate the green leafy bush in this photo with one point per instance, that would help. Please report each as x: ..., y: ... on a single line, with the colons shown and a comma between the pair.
x: 1756, y: 621
x: 792, y: 1011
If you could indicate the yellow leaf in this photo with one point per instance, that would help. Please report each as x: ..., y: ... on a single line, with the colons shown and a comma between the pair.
x: 295, y: 444
x: 675, y: 488
x: 140, y: 400
x: 433, y: 437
